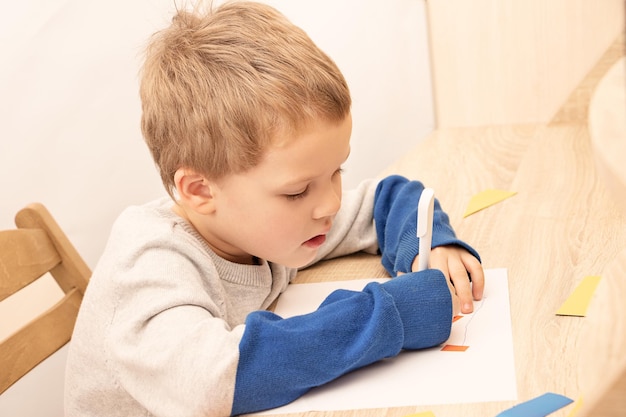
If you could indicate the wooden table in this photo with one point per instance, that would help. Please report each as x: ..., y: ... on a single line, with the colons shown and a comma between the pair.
x: 562, y: 225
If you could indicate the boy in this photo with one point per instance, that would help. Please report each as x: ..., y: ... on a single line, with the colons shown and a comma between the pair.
x: 249, y: 123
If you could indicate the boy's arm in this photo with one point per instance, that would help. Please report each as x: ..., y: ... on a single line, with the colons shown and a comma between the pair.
x: 281, y: 359
x: 185, y: 361
x: 395, y: 217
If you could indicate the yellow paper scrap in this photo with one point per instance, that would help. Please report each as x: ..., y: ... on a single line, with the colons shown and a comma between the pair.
x: 577, y: 303
x: 485, y: 199
x: 577, y: 406
x: 422, y: 414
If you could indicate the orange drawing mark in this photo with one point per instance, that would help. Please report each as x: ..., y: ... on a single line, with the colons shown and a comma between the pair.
x: 455, y: 318
x: 454, y: 348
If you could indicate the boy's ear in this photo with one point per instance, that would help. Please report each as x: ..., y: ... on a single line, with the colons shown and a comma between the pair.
x: 194, y: 191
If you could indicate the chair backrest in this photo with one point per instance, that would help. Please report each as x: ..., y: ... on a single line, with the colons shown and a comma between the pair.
x: 36, y: 247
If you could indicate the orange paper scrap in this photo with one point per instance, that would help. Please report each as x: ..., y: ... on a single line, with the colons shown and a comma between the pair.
x: 485, y: 199
x: 577, y: 303
x: 454, y: 348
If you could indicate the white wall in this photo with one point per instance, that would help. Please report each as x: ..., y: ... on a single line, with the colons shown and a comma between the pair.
x: 69, y: 108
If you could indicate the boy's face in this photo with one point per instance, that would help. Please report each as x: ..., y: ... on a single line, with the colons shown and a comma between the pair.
x: 282, y: 209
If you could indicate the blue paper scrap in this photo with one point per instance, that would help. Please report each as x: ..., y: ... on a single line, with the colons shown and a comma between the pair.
x: 538, y: 407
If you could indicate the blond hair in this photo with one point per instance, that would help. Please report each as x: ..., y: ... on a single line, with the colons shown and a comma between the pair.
x: 216, y: 87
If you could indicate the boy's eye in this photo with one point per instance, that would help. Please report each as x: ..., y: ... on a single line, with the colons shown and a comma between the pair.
x: 306, y: 190
x: 297, y: 195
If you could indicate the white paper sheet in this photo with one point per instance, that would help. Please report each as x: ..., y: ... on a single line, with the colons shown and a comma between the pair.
x: 484, y: 372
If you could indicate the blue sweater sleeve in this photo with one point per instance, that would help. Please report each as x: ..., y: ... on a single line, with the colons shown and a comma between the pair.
x: 281, y: 359
x: 395, y: 217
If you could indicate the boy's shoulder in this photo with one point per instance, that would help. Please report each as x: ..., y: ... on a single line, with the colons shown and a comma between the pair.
x: 158, y: 210
x: 151, y: 219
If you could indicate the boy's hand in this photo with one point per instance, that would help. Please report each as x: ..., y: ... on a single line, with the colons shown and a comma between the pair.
x: 455, y: 263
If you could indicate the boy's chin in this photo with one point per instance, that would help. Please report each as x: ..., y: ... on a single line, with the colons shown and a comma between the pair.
x: 299, y: 262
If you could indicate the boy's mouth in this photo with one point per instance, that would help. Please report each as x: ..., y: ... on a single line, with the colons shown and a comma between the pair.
x: 316, y: 241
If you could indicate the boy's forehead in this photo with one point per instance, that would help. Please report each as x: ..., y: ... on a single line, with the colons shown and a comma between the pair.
x: 320, y: 141
x: 284, y: 136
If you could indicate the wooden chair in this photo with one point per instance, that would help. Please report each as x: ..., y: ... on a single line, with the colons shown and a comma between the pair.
x: 36, y: 247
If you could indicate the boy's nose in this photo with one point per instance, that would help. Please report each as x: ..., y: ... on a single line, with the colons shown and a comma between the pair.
x: 329, y: 203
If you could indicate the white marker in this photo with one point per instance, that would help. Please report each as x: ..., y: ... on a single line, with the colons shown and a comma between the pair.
x: 425, y: 210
